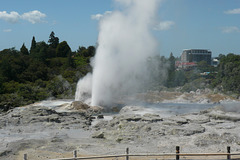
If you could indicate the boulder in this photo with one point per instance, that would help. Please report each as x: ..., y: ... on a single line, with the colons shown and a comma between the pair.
x: 83, y: 107
x: 98, y: 135
x: 79, y: 105
x: 216, y: 139
x: 221, y: 115
x: 197, y: 118
x: 178, y: 119
x: 96, y: 109
x: 187, y: 130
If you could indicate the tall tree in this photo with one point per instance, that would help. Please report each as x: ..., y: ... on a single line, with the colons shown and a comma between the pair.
x: 33, y: 45
x: 53, y: 41
x: 171, y: 60
x: 80, y: 50
x: 171, y: 71
x: 91, y: 51
x: 42, y: 50
x: 70, y: 61
x: 228, y: 73
x: 63, y: 49
x: 24, y: 50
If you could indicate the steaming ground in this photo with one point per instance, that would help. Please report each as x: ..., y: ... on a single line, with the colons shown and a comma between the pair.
x: 53, y: 129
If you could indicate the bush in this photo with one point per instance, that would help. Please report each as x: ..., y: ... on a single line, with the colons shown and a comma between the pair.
x: 8, y: 101
x: 10, y: 87
x: 199, y: 83
x: 59, y: 87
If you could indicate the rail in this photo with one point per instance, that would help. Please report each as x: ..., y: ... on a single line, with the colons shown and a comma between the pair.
x: 177, y: 155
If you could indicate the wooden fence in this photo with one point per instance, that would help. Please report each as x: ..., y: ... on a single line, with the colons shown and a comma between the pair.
x: 226, y: 156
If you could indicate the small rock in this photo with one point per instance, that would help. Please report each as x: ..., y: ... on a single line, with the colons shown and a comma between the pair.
x: 57, y: 139
x: 98, y: 135
x: 100, y: 116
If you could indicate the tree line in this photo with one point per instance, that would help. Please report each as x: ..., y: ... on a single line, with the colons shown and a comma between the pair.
x: 45, y: 70
x: 52, y: 70
x: 224, y: 78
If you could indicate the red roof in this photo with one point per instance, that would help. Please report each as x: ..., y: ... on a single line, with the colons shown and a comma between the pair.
x: 179, y: 63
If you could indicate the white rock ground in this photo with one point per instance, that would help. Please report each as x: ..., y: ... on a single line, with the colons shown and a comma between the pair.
x: 46, y: 132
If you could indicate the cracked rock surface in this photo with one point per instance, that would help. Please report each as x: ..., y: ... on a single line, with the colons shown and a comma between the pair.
x: 46, y: 133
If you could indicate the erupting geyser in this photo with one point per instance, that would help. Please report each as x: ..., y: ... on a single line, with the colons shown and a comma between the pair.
x: 124, y: 45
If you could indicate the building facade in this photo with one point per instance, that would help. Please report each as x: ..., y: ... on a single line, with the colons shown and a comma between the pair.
x: 196, y: 55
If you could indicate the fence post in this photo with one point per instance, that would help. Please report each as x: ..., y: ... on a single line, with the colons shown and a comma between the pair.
x: 75, y: 154
x: 25, y: 156
x: 127, y: 152
x: 228, y: 151
x: 177, y: 152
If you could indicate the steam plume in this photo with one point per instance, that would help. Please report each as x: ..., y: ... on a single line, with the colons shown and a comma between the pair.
x: 124, y: 45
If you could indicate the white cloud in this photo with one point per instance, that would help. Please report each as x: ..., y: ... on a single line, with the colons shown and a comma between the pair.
x: 32, y: 16
x: 231, y: 29
x: 12, y: 17
x: 96, y: 16
x: 7, y: 30
x: 99, y: 16
x: 233, y: 11
x: 164, y: 25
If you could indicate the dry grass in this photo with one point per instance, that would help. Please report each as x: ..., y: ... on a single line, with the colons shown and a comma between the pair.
x: 217, y: 97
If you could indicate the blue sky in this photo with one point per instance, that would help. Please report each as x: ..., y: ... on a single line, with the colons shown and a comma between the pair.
x: 182, y: 24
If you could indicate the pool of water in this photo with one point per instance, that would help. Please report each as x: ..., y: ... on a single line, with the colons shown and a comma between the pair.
x: 164, y: 109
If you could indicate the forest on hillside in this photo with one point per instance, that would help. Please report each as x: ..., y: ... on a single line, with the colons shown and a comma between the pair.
x: 46, y: 70
x: 52, y: 70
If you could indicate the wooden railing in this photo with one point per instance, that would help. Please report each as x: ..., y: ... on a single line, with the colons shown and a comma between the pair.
x: 176, y: 155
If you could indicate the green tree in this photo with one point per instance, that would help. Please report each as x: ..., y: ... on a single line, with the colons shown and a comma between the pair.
x: 36, y: 70
x: 10, y: 51
x: 90, y: 51
x: 59, y: 87
x: 171, y: 71
x: 203, y: 66
x: 229, y: 73
x: 171, y: 60
x: 179, y: 79
x: 33, y: 45
x: 63, y: 49
x: 1, y: 84
x: 71, y: 60
x: 40, y: 51
x: 80, y: 50
x: 53, y: 41
x: 51, y: 52
x: 24, y: 50
x: 11, y: 66
x: 42, y: 48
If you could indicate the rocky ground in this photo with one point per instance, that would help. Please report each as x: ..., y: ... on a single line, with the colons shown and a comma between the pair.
x: 199, y: 96
x: 45, y: 132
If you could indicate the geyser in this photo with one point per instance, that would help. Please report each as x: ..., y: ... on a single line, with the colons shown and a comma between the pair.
x: 125, y: 43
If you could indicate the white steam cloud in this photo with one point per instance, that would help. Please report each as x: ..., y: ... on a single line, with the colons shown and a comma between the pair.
x: 233, y: 11
x: 99, y: 16
x: 84, y: 89
x: 231, y: 29
x: 7, y: 30
x: 125, y: 44
x: 14, y: 17
x: 165, y: 25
